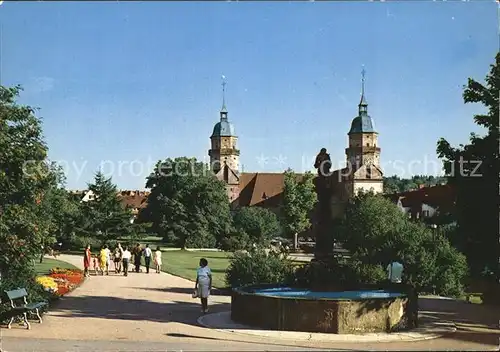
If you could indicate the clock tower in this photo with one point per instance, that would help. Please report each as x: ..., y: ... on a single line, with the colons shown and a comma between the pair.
x: 363, y: 152
x: 223, y: 152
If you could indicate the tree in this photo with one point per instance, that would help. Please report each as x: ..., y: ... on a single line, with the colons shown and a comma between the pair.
x: 50, y: 209
x: 187, y: 206
x: 106, y: 217
x: 473, y: 170
x: 255, y: 224
x: 395, y: 184
x: 24, y: 178
x: 376, y: 232
x: 299, y: 199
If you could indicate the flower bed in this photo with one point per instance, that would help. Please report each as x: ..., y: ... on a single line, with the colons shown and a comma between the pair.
x: 61, y: 281
x: 48, y: 283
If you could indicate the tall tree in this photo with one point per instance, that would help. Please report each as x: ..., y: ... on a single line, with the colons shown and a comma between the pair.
x: 473, y: 170
x: 299, y: 199
x: 187, y: 206
x: 108, y: 219
x: 24, y: 178
x: 50, y: 208
x: 258, y: 223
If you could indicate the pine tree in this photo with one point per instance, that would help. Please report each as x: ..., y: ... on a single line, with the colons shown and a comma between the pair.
x: 106, y: 217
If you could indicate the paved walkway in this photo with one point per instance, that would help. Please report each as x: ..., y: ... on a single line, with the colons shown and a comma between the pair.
x: 159, y: 308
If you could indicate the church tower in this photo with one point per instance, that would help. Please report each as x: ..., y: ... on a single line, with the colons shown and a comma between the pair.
x: 363, y: 153
x: 224, y: 155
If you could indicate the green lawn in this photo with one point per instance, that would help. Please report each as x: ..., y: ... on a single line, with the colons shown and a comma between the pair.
x: 185, y: 263
x: 49, y: 263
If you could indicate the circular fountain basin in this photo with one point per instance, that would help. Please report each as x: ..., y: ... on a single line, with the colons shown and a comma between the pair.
x: 341, y: 311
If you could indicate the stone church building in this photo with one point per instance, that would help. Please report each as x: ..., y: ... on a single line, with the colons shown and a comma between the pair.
x: 362, y: 171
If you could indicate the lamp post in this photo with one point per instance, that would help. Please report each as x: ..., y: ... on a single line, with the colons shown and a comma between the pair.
x: 434, y: 228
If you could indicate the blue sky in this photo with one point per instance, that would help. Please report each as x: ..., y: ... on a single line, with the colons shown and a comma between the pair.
x: 138, y: 82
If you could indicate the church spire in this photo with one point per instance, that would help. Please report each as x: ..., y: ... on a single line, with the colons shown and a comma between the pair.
x: 363, y: 105
x: 223, y: 111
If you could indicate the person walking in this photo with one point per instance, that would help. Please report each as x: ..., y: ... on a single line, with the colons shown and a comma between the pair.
x: 87, y: 258
x: 103, y: 258
x: 126, y: 255
x: 203, y: 284
x: 117, y: 259
x: 137, y: 257
x: 158, y: 260
x: 147, y: 257
x: 108, y: 258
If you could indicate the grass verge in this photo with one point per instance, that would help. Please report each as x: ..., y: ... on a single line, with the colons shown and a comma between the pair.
x: 49, y: 263
x: 184, y: 264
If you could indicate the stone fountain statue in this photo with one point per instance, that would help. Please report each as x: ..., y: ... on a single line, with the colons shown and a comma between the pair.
x: 324, y: 235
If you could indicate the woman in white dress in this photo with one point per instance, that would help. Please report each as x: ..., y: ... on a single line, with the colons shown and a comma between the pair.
x: 203, y: 284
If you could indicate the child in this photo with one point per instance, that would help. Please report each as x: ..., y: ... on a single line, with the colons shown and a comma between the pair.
x: 96, y: 264
x: 158, y: 260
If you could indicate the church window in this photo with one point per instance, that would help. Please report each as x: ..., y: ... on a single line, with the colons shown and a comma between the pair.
x: 367, y: 144
x: 369, y: 172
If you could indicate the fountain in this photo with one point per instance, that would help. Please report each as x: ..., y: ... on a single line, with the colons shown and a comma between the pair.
x: 341, y: 310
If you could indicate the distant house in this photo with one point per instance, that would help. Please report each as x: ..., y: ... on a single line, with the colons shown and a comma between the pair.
x: 426, y: 202
x: 134, y: 200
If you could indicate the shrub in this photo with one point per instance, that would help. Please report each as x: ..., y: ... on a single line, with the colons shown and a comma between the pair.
x: 80, y: 242
x: 338, y: 273
x: 376, y: 232
x: 22, y: 275
x: 235, y: 241
x: 258, y: 267
x: 452, y: 269
x: 367, y: 273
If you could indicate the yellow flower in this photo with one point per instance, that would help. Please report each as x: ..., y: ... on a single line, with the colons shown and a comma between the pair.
x: 47, y: 282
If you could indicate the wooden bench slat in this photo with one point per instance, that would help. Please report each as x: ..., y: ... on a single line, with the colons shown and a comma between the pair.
x: 16, y: 294
x: 36, y: 305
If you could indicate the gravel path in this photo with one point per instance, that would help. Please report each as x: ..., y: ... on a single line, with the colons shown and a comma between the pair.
x: 158, y: 308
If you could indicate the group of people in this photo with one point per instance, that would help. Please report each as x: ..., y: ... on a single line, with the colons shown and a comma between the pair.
x: 121, y: 257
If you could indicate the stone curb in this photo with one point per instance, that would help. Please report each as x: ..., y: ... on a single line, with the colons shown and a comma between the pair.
x: 222, y: 322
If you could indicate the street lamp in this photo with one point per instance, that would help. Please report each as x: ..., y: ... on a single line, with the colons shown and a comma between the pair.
x: 434, y: 228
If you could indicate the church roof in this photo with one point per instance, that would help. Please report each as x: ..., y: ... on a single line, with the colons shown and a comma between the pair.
x: 362, y: 124
x: 223, y: 129
x: 263, y: 189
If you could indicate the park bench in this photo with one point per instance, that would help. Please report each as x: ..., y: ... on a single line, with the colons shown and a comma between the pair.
x: 19, y: 307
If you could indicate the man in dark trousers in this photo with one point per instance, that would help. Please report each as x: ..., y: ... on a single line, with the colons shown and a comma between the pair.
x: 147, y: 257
x: 137, y: 257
